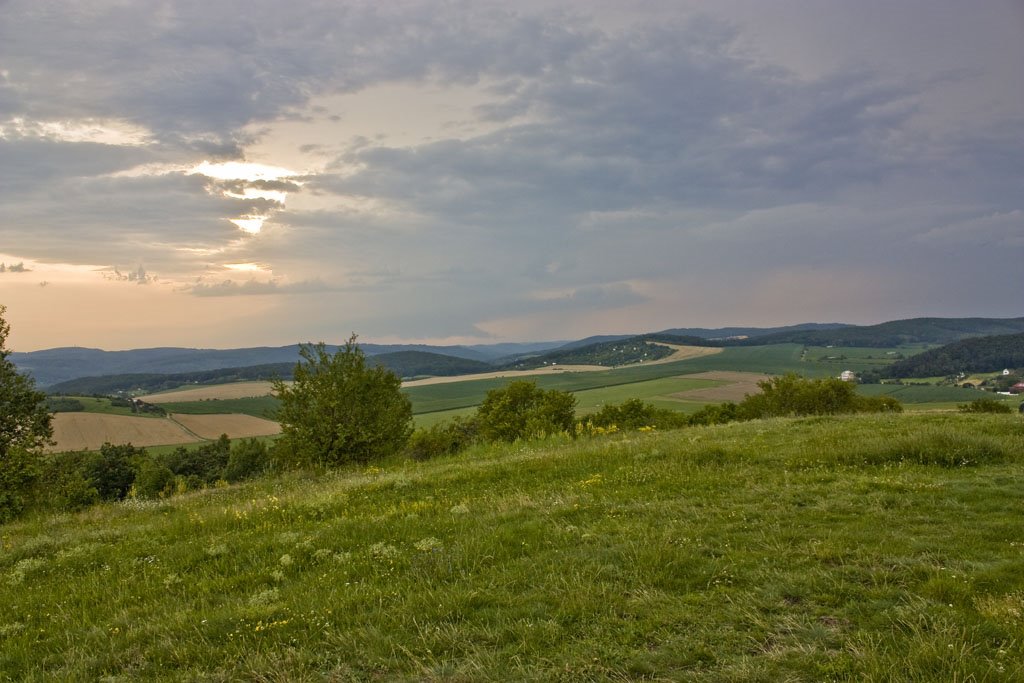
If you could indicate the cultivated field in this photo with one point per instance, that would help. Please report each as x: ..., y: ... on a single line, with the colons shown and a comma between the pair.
x: 215, y: 391
x: 735, y: 388
x: 680, y: 353
x: 235, y: 426
x: 89, y: 431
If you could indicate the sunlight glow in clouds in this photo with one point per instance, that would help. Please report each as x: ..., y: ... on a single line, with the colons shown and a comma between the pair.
x: 98, y: 131
x: 249, y: 224
x: 241, y: 170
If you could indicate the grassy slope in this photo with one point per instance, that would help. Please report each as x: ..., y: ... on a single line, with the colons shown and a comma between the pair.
x: 765, y: 551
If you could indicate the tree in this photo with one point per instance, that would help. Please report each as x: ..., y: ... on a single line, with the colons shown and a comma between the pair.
x: 24, y: 428
x: 338, y: 410
x: 522, y: 410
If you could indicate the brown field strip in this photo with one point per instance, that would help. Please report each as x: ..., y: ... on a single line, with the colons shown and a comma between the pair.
x: 739, y: 385
x: 235, y: 425
x: 89, y: 431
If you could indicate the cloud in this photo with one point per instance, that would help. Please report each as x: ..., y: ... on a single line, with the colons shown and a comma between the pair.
x: 257, y: 288
x: 567, y: 156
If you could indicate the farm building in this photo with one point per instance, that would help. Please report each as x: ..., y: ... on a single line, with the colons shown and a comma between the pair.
x: 848, y: 376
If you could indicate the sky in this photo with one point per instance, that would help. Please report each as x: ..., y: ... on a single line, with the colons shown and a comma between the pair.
x: 232, y: 173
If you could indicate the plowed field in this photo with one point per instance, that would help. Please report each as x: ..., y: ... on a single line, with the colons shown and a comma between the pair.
x: 739, y: 385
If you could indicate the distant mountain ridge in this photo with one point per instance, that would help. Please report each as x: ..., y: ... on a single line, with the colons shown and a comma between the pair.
x: 53, y: 366
x: 402, y: 363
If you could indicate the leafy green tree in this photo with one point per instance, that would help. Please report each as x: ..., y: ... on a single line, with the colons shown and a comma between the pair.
x: 522, y: 410
x: 338, y: 410
x: 24, y: 428
x: 111, y: 470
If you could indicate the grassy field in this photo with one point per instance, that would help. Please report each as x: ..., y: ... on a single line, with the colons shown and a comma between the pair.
x: 916, y: 394
x: 257, y: 406
x: 770, y: 359
x: 843, y: 549
x: 102, y: 406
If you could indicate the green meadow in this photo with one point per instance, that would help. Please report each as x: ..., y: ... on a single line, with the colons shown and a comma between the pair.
x: 859, y: 548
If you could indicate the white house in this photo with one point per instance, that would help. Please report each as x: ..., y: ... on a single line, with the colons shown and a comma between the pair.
x: 848, y: 376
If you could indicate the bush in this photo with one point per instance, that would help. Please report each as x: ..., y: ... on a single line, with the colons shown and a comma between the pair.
x: 338, y: 410
x: 635, y: 414
x: 444, y: 438
x: 522, y: 410
x: 984, y: 405
x: 715, y: 414
x: 63, y: 404
x: 154, y: 479
x: 18, y: 472
x: 202, y: 465
x: 249, y: 458
x: 111, y: 470
x: 792, y: 395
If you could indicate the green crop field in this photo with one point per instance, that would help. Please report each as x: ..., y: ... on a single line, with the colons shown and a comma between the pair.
x: 862, y: 548
x: 768, y: 359
x: 655, y: 391
x: 914, y: 394
x: 103, y: 406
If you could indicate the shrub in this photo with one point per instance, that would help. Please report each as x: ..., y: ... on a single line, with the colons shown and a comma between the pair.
x: 18, y: 472
x: 792, y: 395
x: 635, y: 414
x: 204, y: 464
x: 63, y: 404
x: 716, y: 414
x: 154, y: 479
x: 522, y: 410
x: 111, y: 470
x: 444, y: 438
x: 248, y: 458
x: 984, y: 405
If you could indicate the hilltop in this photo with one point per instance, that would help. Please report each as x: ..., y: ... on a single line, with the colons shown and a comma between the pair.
x: 854, y: 548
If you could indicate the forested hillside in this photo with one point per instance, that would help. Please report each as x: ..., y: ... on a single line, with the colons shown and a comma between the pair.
x: 402, y: 363
x: 981, y: 354
x: 897, y: 332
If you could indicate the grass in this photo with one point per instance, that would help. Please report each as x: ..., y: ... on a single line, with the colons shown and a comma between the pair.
x: 258, y: 406
x: 868, y: 548
x: 655, y: 390
x: 102, y: 405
